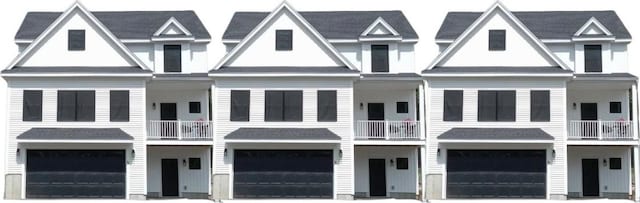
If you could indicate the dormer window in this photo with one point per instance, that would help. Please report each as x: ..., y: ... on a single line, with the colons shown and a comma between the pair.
x: 497, y: 40
x: 172, y: 58
x: 284, y: 40
x: 380, y: 58
x: 593, y: 58
x: 76, y: 40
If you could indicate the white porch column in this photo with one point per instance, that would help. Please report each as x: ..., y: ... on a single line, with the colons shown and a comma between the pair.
x: 636, y: 173
x: 422, y: 106
x: 423, y: 172
x: 634, y: 101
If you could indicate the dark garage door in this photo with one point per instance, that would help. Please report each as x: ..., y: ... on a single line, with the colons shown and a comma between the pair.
x: 283, y: 174
x: 75, y: 174
x: 496, y: 174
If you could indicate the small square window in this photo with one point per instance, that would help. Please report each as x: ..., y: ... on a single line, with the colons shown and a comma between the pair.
x: 284, y: 40
x: 402, y: 107
x: 194, y: 107
x: 76, y: 41
x: 194, y: 163
x: 497, y: 41
x: 402, y: 163
x: 615, y: 163
x: 615, y: 107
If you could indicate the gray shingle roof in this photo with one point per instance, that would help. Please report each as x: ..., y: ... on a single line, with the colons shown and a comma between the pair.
x: 495, y: 134
x: 283, y: 69
x: 497, y: 69
x: 74, y: 134
x: 331, y: 24
x: 544, y: 24
x: 124, y: 25
x: 282, y: 134
x: 77, y: 69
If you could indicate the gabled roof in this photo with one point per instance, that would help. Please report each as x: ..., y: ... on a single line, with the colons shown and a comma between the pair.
x: 593, y: 21
x: 333, y: 25
x: 497, y: 6
x: 92, y: 19
x: 546, y: 25
x: 123, y: 24
x: 383, y: 23
x: 284, y: 6
x: 174, y: 22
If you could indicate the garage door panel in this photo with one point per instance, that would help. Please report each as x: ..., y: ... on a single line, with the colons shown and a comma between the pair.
x: 75, y: 174
x: 496, y: 174
x: 283, y: 174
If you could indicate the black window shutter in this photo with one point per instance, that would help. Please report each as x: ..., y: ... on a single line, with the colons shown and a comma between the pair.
x: 119, y: 105
x: 76, y: 40
x: 66, y: 106
x: 487, y: 106
x: 293, y: 106
x: 497, y: 40
x: 284, y: 40
x: 327, y: 105
x: 172, y: 58
x: 379, y: 58
x: 86, y: 106
x: 592, y: 58
x: 274, y: 106
x: 453, y: 105
x: 506, y: 106
x: 540, y: 105
x: 240, y: 105
x: 32, y: 105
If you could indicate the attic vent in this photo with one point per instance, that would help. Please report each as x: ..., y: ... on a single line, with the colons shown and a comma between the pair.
x: 76, y: 40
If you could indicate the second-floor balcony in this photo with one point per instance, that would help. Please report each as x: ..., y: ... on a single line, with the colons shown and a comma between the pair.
x: 180, y: 130
x: 601, y: 130
x: 387, y: 130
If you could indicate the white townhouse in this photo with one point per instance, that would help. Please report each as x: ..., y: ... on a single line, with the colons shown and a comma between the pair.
x: 317, y: 105
x: 531, y: 105
x: 109, y: 105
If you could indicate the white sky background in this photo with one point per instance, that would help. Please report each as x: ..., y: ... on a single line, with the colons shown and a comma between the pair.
x: 425, y: 16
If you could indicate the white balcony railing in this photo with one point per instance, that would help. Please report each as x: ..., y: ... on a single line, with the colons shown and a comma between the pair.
x: 180, y: 130
x: 387, y: 130
x: 601, y: 130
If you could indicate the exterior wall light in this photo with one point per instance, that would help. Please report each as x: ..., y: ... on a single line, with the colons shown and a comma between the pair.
x: 18, y: 152
x: 225, y: 152
x: 361, y: 106
x: 153, y: 106
x: 340, y: 154
x: 604, y: 162
x: 438, y: 153
x: 184, y: 162
x: 391, y: 162
x: 133, y: 153
x: 553, y: 153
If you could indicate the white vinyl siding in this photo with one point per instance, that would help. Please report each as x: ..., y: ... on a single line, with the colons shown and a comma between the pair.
x: 556, y: 170
x: 343, y: 171
x: 136, y: 169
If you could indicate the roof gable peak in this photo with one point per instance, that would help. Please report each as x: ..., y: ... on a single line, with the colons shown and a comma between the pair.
x: 91, y: 20
x: 495, y: 7
x: 388, y: 29
x: 283, y: 7
x: 593, y: 21
x: 167, y: 28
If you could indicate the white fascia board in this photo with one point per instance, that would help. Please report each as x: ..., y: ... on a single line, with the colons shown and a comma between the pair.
x: 35, y: 75
x: 306, y: 25
x: 180, y: 142
x: 92, y: 19
x: 603, y: 142
x: 78, y: 141
x: 172, y: 21
x: 497, y: 5
x: 131, y: 41
x: 444, y: 41
x: 169, y: 39
x: 498, y: 141
x: 285, y: 141
x: 380, y: 21
x: 23, y: 41
x: 389, y: 142
x: 377, y: 39
x: 592, y: 39
x: 595, y: 22
x: 568, y: 75
x: 281, y: 75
